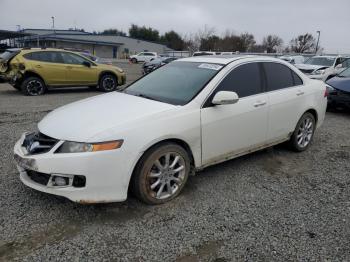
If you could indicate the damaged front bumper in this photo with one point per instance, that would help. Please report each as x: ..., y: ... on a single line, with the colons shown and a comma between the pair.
x: 90, y: 177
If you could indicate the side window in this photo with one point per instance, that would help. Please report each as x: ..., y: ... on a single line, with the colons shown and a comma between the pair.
x: 278, y: 76
x: 297, y: 80
x: 245, y: 80
x: 56, y: 57
x: 72, y: 59
x: 37, y: 56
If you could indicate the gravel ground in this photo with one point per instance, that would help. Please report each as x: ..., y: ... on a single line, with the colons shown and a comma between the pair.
x: 273, y: 205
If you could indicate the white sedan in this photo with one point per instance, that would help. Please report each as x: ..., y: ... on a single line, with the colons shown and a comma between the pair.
x: 183, y: 117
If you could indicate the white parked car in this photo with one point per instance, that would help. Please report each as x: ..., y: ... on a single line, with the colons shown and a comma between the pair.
x: 293, y: 59
x: 323, y: 67
x: 143, y: 57
x: 183, y: 117
x: 203, y: 53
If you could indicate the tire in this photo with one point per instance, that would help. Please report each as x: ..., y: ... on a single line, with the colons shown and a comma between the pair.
x: 134, y: 60
x: 108, y: 83
x: 167, y: 181
x: 33, y: 86
x: 303, y: 133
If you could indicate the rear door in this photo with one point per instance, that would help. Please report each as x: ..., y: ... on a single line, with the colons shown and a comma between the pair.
x: 231, y: 129
x: 49, y: 65
x: 77, y: 72
x: 287, y: 97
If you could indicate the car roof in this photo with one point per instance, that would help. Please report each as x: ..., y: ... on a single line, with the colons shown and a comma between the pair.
x: 326, y: 56
x: 29, y: 50
x: 224, y: 60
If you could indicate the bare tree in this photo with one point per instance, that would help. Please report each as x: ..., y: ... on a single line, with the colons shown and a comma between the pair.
x: 246, y: 42
x: 303, y: 43
x: 193, y: 41
x: 271, y: 43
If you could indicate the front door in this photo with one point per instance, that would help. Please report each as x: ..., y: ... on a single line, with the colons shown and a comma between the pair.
x: 228, y: 130
x: 76, y: 72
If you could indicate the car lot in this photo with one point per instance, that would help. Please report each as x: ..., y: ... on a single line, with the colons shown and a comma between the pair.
x: 270, y: 205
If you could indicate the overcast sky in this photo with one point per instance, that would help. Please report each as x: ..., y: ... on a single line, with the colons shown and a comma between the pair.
x: 286, y: 18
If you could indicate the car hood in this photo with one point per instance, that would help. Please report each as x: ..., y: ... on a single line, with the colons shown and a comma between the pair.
x: 82, y: 121
x: 340, y: 83
x: 309, y: 67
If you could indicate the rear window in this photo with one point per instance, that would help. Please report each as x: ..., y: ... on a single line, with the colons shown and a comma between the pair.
x: 50, y: 57
x: 7, y: 55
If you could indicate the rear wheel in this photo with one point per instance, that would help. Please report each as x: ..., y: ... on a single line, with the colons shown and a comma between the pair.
x: 303, y: 133
x: 33, y: 86
x: 161, y: 174
x: 108, y: 83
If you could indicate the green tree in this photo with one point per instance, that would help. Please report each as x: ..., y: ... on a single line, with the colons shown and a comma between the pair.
x: 173, y: 40
x: 144, y: 33
x: 112, y: 31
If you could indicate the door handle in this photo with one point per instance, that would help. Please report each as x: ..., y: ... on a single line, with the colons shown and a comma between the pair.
x: 300, y: 93
x: 69, y: 67
x: 38, y: 66
x: 259, y: 103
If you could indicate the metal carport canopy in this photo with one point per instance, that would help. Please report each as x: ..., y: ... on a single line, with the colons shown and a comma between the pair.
x: 5, y: 34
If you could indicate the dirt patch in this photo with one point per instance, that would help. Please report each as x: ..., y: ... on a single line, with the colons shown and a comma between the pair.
x: 208, y: 251
x: 27, y: 244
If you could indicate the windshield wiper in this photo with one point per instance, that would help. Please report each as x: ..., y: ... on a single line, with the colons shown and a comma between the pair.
x: 147, y: 97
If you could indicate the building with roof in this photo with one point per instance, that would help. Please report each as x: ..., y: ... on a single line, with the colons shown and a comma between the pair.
x: 105, y: 46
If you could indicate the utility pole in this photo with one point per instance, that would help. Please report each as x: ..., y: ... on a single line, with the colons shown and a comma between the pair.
x: 53, y: 22
x: 318, y: 40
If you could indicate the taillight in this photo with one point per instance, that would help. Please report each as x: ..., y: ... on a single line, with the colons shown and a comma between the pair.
x: 326, y: 93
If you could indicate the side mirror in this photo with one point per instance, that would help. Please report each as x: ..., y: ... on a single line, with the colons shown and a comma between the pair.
x: 225, y: 98
x: 87, y: 64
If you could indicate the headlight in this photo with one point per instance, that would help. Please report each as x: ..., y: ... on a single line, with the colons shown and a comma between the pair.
x: 318, y: 72
x: 120, y: 70
x: 77, y: 147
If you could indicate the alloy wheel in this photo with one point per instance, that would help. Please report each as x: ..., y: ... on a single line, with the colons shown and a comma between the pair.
x: 35, y: 87
x: 108, y: 83
x: 166, y: 175
x: 305, y: 132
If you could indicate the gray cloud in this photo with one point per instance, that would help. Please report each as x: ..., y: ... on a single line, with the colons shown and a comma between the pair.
x: 286, y: 18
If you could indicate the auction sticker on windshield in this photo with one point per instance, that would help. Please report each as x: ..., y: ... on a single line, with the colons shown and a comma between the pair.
x: 210, y: 66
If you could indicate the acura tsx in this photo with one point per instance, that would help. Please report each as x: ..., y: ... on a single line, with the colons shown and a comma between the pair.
x: 183, y: 117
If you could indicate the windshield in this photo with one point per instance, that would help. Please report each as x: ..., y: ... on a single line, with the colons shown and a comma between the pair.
x: 176, y: 83
x: 322, y: 61
x: 345, y: 73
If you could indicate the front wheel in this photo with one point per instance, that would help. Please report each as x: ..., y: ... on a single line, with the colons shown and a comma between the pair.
x: 161, y: 174
x: 108, y: 83
x: 33, y: 86
x: 303, y: 133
